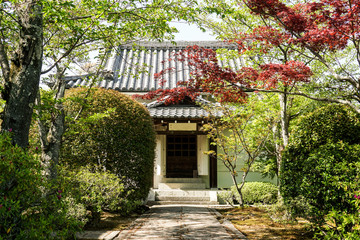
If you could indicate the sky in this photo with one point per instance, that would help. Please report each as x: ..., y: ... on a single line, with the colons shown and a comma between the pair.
x: 191, y: 33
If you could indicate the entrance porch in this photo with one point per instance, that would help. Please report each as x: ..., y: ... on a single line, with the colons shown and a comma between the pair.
x: 181, y: 162
x: 183, y: 172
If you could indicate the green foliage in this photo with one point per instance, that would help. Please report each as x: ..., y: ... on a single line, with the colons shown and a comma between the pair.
x: 28, y: 209
x: 73, y: 28
x: 321, y: 165
x: 252, y: 193
x: 114, y: 133
x: 240, y: 135
x: 342, y: 225
x: 96, y: 190
x: 269, y: 160
x: 225, y: 197
x: 257, y: 192
x: 279, y: 212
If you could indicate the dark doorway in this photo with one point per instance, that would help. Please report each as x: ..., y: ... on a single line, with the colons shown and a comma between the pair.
x: 213, y: 165
x: 181, y: 157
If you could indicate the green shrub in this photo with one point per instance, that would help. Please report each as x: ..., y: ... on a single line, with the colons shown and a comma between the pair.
x: 96, y: 190
x: 257, y: 192
x: 225, y: 197
x: 114, y: 132
x: 321, y: 166
x: 279, y: 212
x: 341, y: 225
x: 30, y: 207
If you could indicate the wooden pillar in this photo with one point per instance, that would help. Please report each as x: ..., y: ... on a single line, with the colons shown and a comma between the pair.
x: 213, y: 166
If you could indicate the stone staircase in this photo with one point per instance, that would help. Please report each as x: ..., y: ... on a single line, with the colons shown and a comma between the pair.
x: 182, y: 191
x: 181, y: 183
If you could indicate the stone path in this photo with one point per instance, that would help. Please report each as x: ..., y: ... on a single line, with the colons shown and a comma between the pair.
x: 181, y: 222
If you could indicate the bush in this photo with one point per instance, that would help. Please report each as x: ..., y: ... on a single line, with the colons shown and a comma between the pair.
x: 279, y: 212
x: 114, y: 132
x: 96, y: 190
x: 225, y: 197
x: 253, y: 192
x: 257, y: 192
x: 30, y: 207
x: 321, y: 166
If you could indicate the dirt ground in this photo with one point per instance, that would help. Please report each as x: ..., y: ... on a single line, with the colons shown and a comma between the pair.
x: 113, y: 221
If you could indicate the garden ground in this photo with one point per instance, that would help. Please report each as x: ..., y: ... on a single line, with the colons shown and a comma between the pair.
x: 253, y: 222
x: 256, y: 223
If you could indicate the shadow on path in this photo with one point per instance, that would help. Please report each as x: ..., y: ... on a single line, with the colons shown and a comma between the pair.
x: 181, y: 222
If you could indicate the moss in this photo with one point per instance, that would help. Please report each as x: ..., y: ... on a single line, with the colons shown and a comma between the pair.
x: 255, y: 223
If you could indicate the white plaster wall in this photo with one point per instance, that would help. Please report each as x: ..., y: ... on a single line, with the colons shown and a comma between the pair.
x: 159, y: 168
x: 224, y: 179
x: 203, y: 159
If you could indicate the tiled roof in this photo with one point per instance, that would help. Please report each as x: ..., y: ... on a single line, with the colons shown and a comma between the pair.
x: 132, y: 69
x: 159, y: 110
x: 185, y: 112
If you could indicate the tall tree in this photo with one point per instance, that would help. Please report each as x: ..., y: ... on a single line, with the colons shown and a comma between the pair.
x: 305, y: 48
x: 20, y: 72
x: 323, y: 34
x: 34, y: 32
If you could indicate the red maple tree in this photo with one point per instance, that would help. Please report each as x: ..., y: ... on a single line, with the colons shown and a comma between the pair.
x: 316, y: 28
x: 228, y: 85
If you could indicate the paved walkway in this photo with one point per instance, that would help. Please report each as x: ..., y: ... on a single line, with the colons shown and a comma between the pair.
x: 181, y: 222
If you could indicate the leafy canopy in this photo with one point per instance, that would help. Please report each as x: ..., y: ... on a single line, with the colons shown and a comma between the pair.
x: 281, y: 47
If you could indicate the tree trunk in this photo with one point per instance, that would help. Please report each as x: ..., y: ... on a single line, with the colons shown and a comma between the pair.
x: 51, y: 135
x: 249, y: 162
x: 284, y: 119
x: 23, y: 84
x: 278, y: 148
x: 238, y: 189
x: 284, y: 122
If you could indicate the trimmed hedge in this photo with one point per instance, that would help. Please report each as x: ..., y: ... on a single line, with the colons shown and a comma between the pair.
x: 113, y: 132
x: 257, y: 192
x: 253, y: 192
x: 321, y: 165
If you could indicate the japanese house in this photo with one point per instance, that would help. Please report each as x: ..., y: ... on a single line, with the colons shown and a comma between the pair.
x: 180, y: 161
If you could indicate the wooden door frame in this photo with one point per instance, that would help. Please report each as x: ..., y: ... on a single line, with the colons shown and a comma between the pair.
x: 182, y: 134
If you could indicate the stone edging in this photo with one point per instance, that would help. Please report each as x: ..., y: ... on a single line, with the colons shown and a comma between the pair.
x: 230, y: 228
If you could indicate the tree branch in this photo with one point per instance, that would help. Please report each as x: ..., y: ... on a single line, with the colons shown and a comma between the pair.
x: 67, y: 53
x: 345, y: 102
x: 4, y: 62
x: 75, y: 44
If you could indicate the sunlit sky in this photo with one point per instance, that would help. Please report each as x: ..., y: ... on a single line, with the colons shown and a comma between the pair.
x: 190, y: 33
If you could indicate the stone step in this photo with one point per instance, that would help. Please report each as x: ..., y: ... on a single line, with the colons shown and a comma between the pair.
x: 178, y: 196
x: 185, y: 195
x: 182, y: 180
x: 197, y: 185
x: 182, y: 202
x: 180, y: 199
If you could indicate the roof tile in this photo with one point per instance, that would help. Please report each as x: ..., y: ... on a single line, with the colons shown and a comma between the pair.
x: 133, y: 68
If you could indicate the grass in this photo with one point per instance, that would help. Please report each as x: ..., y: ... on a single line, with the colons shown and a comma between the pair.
x: 255, y: 223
